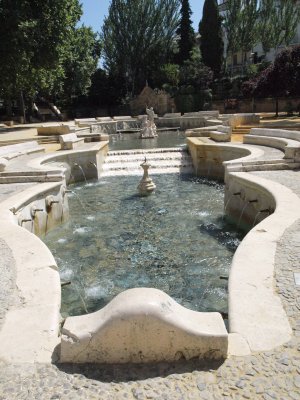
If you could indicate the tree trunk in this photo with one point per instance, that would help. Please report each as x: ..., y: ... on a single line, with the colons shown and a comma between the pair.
x: 277, y: 107
x: 22, y: 107
x: 253, y: 105
x: 9, y: 108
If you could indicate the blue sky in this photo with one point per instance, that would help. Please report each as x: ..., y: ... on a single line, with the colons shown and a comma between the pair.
x: 95, y: 10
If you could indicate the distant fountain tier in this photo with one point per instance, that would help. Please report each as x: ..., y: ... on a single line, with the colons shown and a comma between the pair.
x: 163, y: 161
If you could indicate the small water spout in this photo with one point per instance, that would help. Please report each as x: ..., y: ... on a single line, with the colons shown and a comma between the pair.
x: 80, y: 201
x: 35, y: 210
x: 82, y: 170
x: 237, y: 194
x: 242, y: 213
x: 252, y: 201
x: 50, y: 200
x: 266, y: 210
x: 93, y: 164
x: 25, y: 220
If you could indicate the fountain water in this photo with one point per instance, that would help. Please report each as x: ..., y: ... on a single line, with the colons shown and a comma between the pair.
x: 242, y: 213
x: 267, y: 210
x: 82, y: 171
x: 151, y: 241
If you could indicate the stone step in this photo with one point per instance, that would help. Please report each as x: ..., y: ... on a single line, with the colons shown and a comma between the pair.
x: 131, y: 165
x: 147, y: 151
x: 264, y: 167
x: 119, y: 159
x: 139, y: 172
x: 128, y: 162
x: 29, y: 173
x: 30, y: 178
x: 268, y: 162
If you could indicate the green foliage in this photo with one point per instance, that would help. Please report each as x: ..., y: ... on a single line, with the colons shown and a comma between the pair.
x: 288, y: 18
x: 210, y: 29
x: 195, y: 73
x: 185, y: 32
x: 106, y: 90
x: 167, y: 74
x: 277, y: 23
x: 267, y: 26
x: 280, y: 79
x: 41, y: 51
x: 247, y: 28
x: 137, y: 36
x: 231, y: 25
x: 81, y: 63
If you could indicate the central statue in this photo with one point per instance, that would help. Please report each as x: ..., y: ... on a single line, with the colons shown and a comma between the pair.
x: 146, y: 185
x: 148, y: 130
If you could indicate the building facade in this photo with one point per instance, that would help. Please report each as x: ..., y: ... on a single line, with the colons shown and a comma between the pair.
x: 235, y: 63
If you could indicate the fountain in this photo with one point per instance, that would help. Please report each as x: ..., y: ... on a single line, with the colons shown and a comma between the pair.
x: 146, y: 185
x: 148, y: 125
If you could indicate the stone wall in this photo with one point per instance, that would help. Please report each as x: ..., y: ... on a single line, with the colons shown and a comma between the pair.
x: 267, y: 105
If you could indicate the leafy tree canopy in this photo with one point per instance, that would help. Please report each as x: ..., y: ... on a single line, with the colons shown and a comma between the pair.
x: 281, y: 78
x: 210, y: 29
x: 139, y: 35
x: 185, y: 32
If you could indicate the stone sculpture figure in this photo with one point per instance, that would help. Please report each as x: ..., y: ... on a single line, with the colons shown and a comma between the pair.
x: 148, y: 125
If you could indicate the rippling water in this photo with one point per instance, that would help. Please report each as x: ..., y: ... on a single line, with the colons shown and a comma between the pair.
x: 175, y: 240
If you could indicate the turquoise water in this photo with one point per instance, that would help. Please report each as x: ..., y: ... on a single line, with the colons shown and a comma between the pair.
x: 175, y: 240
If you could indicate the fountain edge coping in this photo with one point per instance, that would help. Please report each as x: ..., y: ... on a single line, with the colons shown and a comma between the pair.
x: 143, y: 325
x: 31, y: 327
x: 256, y: 312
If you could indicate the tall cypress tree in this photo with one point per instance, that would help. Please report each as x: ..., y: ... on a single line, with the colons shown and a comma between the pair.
x: 210, y: 29
x: 185, y: 32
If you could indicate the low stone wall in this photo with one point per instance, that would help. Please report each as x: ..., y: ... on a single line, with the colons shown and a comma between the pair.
x: 140, y: 326
x: 85, y: 163
x: 208, y: 158
x: 182, y: 122
x: 30, y: 332
x: 243, y: 119
x: 256, y: 313
x: 59, y: 129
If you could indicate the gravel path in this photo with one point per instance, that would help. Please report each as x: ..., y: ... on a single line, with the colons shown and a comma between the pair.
x: 7, y: 281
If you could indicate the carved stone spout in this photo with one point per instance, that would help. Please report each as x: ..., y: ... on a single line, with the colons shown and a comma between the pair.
x: 146, y: 185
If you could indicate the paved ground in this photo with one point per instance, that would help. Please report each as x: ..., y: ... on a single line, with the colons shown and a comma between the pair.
x: 269, y: 375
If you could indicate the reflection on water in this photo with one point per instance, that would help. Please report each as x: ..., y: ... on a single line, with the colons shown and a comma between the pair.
x: 175, y: 240
x: 129, y: 141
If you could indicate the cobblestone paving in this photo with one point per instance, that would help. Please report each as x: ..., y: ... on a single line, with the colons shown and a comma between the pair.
x: 269, y: 375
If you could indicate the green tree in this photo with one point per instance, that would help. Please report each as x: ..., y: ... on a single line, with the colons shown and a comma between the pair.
x: 194, y: 73
x: 247, y: 26
x: 231, y: 26
x: 137, y: 36
x: 185, y: 32
x: 289, y: 17
x: 210, y: 29
x: 277, y: 23
x: 267, y: 26
x: 34, y: 36
x: 81, y: 62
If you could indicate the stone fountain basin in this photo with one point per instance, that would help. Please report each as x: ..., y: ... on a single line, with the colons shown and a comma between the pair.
x: 257, y: 320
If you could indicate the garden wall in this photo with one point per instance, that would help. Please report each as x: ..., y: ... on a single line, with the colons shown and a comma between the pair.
x: 267, y: 105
